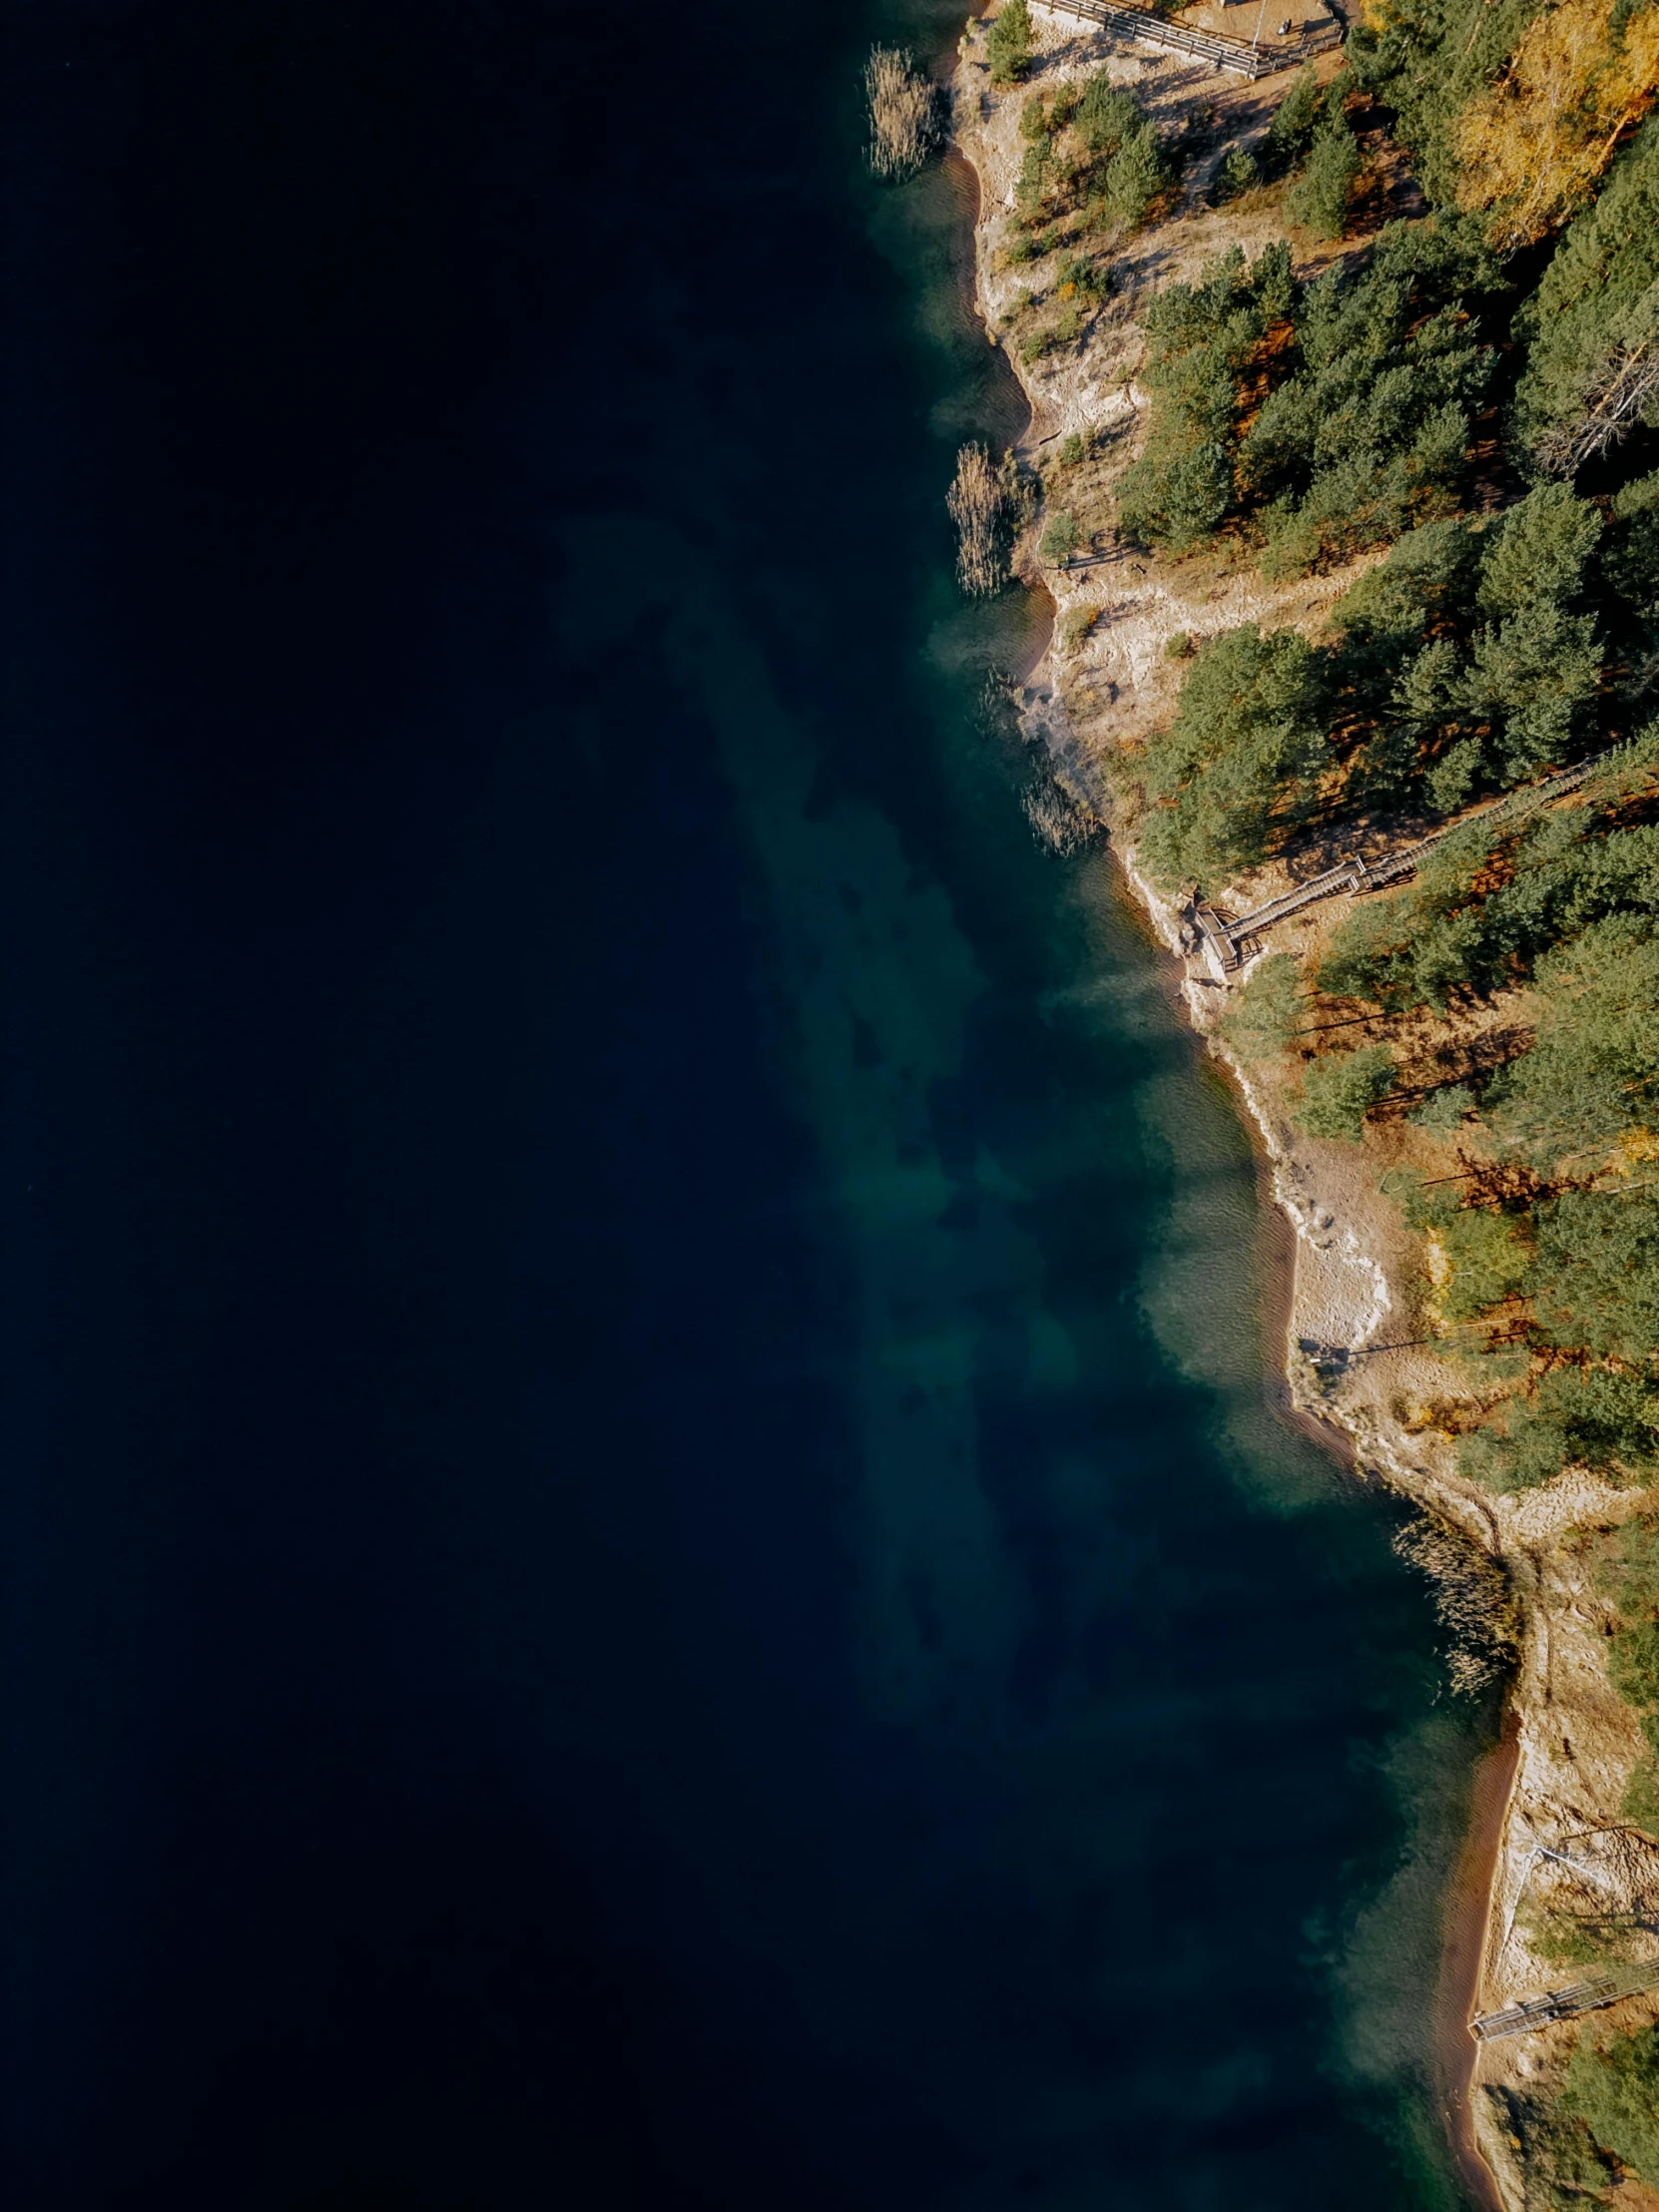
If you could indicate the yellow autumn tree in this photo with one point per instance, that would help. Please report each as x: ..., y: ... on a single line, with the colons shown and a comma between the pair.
x: 1533, y: 143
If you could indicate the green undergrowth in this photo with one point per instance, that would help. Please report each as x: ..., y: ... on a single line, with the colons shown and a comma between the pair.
x: 1094, y: 163
x: 1612, y: 2087
x: 1566, y: 2169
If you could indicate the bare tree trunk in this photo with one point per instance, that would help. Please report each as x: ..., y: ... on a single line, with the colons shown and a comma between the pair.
x: 1615, y: 397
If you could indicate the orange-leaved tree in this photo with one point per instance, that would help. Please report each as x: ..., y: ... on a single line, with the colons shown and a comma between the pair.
x: 1534, y: 142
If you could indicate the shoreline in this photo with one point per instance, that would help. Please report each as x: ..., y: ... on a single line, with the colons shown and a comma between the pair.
x: 1335, y: 1271
x: 1467, y: 1937
x: 1472, y: 1899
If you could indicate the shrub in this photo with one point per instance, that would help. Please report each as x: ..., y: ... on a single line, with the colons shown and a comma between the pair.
x: 1179, y: 646
x: 1445, y: 1109
x: 1630, y: 557
x: 1613, y: 2086
x: 1034, y: 125
x: 1538, y: 552
x: 1084, y: 275
x: 1033, y: 176
x: 1260, y: 1018
x: 1485, y: 1260
x: 1597, y: 1281
x: 1593, y: 1068
x: 1291, y: 541
x: 1106, y: 116
x: 1008, y: 42
x: 1175, y: 500
x: 1339, y: 1090
x: 1240, y: 173
x: 1136, y: 178
x: 1060, y: 539
x: 1530, y: 679
x: 1297, y: 118
x: 1595, y: 1417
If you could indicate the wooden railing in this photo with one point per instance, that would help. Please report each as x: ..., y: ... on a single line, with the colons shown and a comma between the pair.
x: 1566, y: 2004
x: 1226, y: 939
x: 1231, y: 54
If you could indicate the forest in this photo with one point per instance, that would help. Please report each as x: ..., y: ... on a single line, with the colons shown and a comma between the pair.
x: 1469, y: 397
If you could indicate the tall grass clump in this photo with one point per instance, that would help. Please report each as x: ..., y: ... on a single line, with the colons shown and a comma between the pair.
x: 904, y: 111
x: 985, y: 503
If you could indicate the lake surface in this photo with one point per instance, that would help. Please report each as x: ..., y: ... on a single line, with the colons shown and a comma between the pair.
x: 638, y: 1570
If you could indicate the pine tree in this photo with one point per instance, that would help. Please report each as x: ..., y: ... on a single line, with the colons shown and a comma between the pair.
x: 1318, y: 201
x: 1241, y: 760
x: 1008, y: 42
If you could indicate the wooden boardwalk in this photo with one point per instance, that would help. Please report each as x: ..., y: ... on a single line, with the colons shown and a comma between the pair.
x: 1565, y: 2004
x: 1226, y: 939
x: 1229, y: 54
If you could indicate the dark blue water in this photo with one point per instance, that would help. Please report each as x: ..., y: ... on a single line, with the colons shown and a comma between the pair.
x: 635, y: 1573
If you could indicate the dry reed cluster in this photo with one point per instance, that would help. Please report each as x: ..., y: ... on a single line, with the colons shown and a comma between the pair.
x: 904, y: 111
x: 983, y: 501
x: 1472, y: 1598
x: 1060, y: 824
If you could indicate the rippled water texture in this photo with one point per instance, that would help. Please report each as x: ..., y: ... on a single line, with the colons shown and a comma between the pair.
x: 648, y: 1560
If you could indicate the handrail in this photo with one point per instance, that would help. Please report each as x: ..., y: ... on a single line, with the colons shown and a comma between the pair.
x: 1356, y: 875
x: 1566, y: 2004
x: 1229, y: 54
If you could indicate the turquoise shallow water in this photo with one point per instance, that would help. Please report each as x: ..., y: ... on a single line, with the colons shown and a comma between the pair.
x: 641, y: 1574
